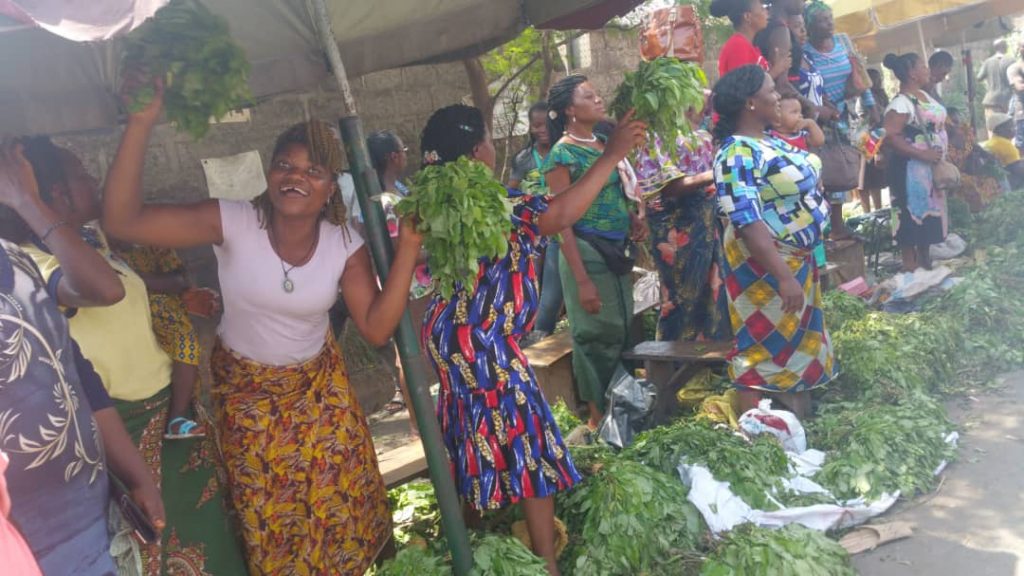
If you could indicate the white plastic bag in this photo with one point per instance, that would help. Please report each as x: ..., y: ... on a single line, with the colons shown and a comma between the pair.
x: 782, y: 424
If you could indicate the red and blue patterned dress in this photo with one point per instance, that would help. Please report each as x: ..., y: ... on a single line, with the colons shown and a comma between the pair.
x: 502, y: 441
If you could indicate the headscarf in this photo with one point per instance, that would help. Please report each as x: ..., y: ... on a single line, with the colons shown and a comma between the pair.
x: 814, y: 8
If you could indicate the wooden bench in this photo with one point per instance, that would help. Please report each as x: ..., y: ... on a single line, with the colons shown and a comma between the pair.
x: 660, y: 364
x: 551, y: 359
x: 403, y: 464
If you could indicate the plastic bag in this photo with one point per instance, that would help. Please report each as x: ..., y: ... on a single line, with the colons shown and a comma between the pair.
x: 782, y: 424
x: 630, y: 409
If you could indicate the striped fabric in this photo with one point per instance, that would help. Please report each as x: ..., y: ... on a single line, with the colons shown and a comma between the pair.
x: 835, y: 68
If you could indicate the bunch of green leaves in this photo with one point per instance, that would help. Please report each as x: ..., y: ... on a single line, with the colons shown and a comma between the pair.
x: 662, y: 91
x: 591, y: 458
x: 894, y: 357
x: 877, y: 448
x: 464, y: 215
x: 754, y: 470
x: 205, y: 73
x: 987, y: 313
x: 841, y: 308
x: 566, y: 418
x: 414, y: 560
x: 961, y: 220
x: 415, y: 512
x: 497, y: 555
x: 789, y: 551
x: 999, y: 224
x: 629, y: 519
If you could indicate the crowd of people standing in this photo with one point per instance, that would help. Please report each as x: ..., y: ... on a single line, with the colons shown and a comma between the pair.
x: 100, y: 359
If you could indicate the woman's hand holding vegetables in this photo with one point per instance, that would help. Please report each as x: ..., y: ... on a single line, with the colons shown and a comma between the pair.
x: 409, y: 236
x: 135, y: 81
x: 628, y: 135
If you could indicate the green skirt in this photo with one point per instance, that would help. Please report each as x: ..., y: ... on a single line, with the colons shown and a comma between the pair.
x: 598, y: 340
x: 199, y: 538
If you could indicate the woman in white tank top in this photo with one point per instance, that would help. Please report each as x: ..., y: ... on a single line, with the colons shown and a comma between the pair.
x: 300, y: 459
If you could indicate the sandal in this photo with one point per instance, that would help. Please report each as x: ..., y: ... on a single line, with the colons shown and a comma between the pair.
x: 186, y: 429
x: 397, y: 403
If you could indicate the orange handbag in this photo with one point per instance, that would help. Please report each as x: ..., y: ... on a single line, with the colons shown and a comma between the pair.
x: 674, y: 31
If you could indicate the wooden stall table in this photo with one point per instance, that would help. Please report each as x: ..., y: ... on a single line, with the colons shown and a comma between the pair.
x: 669, y: 365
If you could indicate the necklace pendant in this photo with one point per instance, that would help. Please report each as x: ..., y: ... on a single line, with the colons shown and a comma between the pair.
x: 288, y: 285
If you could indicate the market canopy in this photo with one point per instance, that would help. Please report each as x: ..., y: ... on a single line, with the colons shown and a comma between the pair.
x: 52, y: 81
x: 879, y: 26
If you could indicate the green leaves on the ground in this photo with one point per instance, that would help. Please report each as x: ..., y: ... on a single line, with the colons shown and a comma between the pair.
x: 415, y: 513
x: 841, y: 308
x: 464, y: 215
x: 414, y: 560
x: 566, y: 419
x: 496, y: 555
x: 662, y: 91
x: 875, y: 448
x: 629, y: 519
x: 205, y: 73
x: 754, y: 469
x: 789, y: 551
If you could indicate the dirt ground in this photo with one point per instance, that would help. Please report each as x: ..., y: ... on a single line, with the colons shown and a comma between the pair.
x: 973, y: 524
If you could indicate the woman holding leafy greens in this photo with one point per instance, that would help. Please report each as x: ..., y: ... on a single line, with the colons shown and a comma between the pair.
x: 502, y: 440
x: 596, y: 273
x: 300, y: 460
x: 769, y: 191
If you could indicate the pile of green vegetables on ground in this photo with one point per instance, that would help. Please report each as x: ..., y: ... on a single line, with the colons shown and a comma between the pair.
x: 882, y: 424
x: 205, y: 74
x: 464, y: 214
x: 661, y: 92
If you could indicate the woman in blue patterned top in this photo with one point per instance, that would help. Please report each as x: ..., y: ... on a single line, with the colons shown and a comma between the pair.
x: 502, y: 440
x: 769, y: 191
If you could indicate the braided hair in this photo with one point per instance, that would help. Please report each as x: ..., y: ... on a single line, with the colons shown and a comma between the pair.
x: 324, y: 149
x: 731, y: 94
x: 451, y: 133
x: 559, y: 99
x: 381, y: 144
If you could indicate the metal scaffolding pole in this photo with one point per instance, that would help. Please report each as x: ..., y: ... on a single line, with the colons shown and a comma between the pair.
x: 368, y: 186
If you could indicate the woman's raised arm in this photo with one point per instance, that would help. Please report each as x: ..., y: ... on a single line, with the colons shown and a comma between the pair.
x: 126, y: 217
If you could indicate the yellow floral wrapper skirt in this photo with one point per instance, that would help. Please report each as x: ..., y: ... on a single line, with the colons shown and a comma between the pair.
x: 301, y: 465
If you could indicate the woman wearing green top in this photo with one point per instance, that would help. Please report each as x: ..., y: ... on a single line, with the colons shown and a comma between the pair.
x: 598, y: 298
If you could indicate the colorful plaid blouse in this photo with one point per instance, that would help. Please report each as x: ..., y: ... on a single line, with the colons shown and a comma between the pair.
x: 767, y: 180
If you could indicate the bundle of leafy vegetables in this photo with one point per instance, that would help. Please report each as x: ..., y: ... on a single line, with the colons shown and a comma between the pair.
x: 875, y: 448
x: 415, y: 512
x: 497, y: 555
x: 566, y: 419
x: 414, y: 560
x: 629, y: 519
x: 205, y: 73
x: 999, y: 224
x: 841, y: 308
x: 662, y: 91
x: 789, y: 551
x: 464, y: 215
x: 591, y: 458
x: 754, y: 470
x: 895, y: 357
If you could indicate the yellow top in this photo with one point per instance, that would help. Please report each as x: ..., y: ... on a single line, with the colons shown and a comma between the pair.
x: 118, y: 339
x: 1002, y: 148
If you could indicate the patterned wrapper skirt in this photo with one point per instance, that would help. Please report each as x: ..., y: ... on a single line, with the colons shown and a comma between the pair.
x: 775, y: 351
x: 199, y: 539
x: 301, y: 465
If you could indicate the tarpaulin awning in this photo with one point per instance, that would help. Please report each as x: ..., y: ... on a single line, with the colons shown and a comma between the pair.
x: 879, y: 26
x: 59, y: 84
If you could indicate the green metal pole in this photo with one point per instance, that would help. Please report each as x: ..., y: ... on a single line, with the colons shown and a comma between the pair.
x: 368, y: 186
